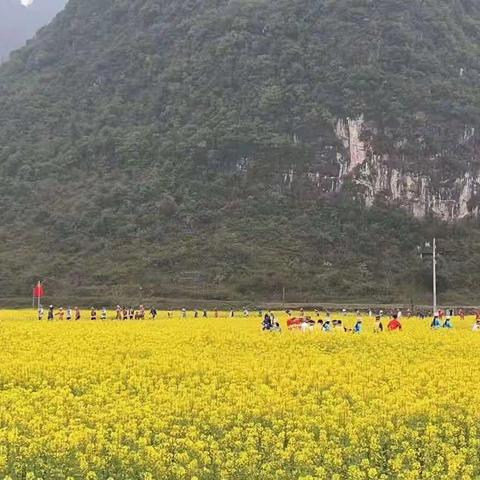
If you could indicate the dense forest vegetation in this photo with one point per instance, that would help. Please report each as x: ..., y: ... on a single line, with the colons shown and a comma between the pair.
x: 144, y: 146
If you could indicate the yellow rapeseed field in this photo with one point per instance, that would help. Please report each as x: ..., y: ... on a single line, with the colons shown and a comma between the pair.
x: 219, y: 399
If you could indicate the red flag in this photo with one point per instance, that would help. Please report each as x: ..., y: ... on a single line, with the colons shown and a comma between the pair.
x: 38, y: 291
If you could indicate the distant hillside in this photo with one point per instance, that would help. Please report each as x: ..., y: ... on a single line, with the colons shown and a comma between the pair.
x: 19, y: 24
x: 229, y: 149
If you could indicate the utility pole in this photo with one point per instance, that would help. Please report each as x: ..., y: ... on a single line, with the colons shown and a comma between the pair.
x: 428, y: 250
x: 434, y: 257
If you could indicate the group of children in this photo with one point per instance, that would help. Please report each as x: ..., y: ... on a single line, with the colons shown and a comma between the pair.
x: 308, y: 324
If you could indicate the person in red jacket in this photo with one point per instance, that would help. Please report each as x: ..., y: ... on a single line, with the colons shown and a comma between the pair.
x: 394, y: 324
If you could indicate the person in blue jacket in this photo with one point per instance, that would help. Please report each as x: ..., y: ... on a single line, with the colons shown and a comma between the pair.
x: 435, y: 322
x: 327, y: 327
x: 448, y: 323
x: 358, y: 327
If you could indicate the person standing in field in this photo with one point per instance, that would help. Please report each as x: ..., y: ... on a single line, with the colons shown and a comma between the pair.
x: 205, y: 314
x: 378, y: 327
x: 69, y: 313
x: 118, y: 313
x: 461, y: 314
x: 476, y: 326
x: 267, y: 323
x: 93, y: 314
x: 104, y: 313
x: 60, y: 313
x: 153, y: 313
x: 77, y: 313
x: 358, y: 328
x: 195, y: 313
x: 394, y: 324
x: 50, y: 313
x: 215, y: 312
x: 40, y: 313
x: 184, y: 313
x: 232, y: 313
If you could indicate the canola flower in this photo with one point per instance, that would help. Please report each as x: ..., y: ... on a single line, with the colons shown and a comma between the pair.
x: 202, y: 399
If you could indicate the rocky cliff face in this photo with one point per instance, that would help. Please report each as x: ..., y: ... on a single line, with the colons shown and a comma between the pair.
x: 381, y: 175
x: 353, y: 164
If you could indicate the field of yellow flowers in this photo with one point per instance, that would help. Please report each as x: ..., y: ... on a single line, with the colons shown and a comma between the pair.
x: 204, y: 399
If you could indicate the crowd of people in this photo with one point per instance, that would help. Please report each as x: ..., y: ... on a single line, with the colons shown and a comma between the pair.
x: 121, y: 313
x: 442, y: 319
x: 308, y: 324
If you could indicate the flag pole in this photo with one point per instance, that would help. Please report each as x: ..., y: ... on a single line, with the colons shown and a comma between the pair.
x: 38, y: 295
x: 434, y: 272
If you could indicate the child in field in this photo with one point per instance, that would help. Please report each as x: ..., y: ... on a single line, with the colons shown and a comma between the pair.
x: 103, y: 315
x: 93, y: 314
x: 378, y: 327
x: 306, y: 325
x: 205, y: 314
x: 69, y: 313
x: 118, y: 313
x: 358, y: 328
x: 267, y: 323
x: 476, y: 326
x: 40, y: 313
x: 339, y: 327
x: 50, y: 313
x: 60, y: 313
x: 448, y: 323
x: 327, y: 327
x: 394, y: 324
x: 77, y: 313
x: 153, y: 313
x: 435, y: 322
x: 276, y: 327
